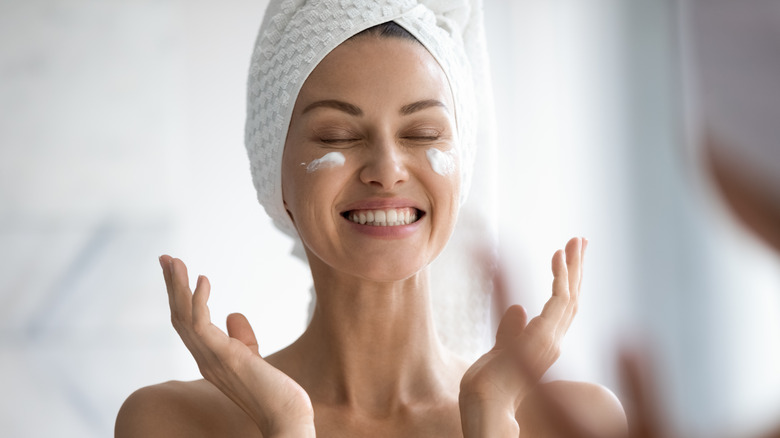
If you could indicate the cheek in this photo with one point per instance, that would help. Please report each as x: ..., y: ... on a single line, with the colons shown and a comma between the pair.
x: 329, y: 160
x: 322, y: 175
x: 443, y: 171
x: 301, y: 172
x: 443, y: 163
x: 313, y: 185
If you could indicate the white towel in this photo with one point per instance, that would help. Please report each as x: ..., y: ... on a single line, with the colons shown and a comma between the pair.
x: 296, y: 35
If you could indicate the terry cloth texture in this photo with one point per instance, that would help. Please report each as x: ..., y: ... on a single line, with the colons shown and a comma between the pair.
x: 297, y: 34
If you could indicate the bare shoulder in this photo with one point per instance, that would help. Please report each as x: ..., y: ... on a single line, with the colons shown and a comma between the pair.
x: 180, y: 409
x: 592, y: 406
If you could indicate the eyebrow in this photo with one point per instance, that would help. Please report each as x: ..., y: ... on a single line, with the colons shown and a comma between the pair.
x: 356, y: 111
x: 335, y: 104
x: 421, y: 105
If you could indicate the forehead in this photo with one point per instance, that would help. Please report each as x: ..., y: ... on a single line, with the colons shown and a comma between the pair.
x: 371, y: 67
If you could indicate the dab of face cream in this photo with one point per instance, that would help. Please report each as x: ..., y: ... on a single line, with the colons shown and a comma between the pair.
x: 442, y: 162
x: 331, y: 159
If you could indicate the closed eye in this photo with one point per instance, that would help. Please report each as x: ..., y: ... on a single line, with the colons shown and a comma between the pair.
x: 423, y: 136
x: 337, y: 141
x: 421, y: 140
x: 423, y: 132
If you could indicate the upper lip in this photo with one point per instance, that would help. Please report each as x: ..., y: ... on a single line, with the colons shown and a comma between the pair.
x: 381, y: 204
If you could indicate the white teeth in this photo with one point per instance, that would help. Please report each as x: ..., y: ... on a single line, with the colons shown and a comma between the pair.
x: 384, y: 218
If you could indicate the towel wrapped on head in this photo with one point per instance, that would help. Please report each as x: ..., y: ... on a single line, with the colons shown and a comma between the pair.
x: 296, y: 35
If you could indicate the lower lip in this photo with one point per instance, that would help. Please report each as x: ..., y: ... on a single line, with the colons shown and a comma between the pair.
x: 389, y: 232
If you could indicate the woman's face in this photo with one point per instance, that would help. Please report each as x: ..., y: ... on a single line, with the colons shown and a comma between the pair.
x: 370, y: 174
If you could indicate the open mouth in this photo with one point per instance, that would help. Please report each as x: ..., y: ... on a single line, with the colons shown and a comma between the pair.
x: 389, y: 217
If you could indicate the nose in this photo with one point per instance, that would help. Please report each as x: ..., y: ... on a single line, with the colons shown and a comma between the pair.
x: 385, y: 167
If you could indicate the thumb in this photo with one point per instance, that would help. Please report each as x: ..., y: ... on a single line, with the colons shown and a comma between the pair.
x: 513, y: 322
x: 238, y: 328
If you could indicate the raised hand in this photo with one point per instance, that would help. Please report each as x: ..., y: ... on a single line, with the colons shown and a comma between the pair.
x: 232, y: 363
x: 494, y: 386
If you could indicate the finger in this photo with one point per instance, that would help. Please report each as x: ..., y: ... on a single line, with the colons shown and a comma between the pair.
x: 560, y: 275
x: 582, y: 264
x: 574, y: 270
x: 182, y: 296
x: 512, y: 323
x: 201, y: 317
x: 165, y: 264
x: 554, y: 309
x: 574, y: 265
x: 238, y: 327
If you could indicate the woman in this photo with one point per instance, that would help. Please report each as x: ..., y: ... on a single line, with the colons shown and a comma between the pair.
x: 371, y: 175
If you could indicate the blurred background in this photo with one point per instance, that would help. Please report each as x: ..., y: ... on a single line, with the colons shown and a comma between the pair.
x: 121, y: 138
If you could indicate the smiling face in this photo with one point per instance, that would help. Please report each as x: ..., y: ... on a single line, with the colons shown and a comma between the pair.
x: 358, y: 175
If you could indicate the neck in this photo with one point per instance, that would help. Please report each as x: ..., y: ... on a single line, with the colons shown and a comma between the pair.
x: 372, y: 345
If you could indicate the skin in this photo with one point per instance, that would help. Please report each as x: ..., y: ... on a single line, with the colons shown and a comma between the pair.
x: 753, y: 202
x: 370, y: 363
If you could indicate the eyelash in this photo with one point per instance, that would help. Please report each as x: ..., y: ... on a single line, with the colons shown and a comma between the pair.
x: 422, y: 137
x: 336, y: 141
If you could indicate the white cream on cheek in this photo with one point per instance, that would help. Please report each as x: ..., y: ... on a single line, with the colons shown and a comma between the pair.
x: 331, y: 159
x: 442, y: 162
